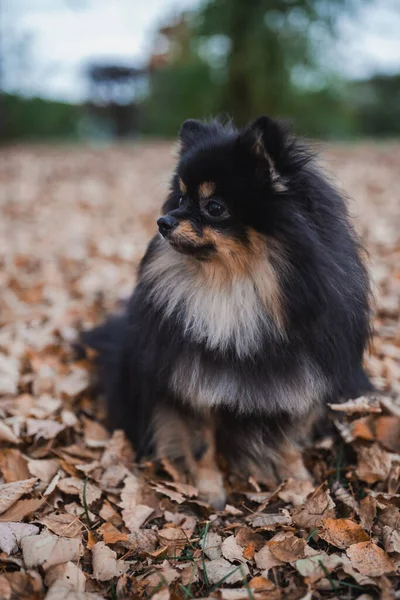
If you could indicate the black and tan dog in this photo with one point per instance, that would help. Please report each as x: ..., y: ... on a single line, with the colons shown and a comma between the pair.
x: 251, y: 310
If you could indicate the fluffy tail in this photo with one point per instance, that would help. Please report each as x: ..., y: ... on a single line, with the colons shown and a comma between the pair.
x: 120, y: 382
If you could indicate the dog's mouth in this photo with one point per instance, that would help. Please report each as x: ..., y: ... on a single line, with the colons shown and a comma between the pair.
x: 182, y: 238
x: 199, y: 251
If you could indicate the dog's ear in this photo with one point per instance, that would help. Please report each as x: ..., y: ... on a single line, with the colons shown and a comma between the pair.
x: 264, y: 140
x: 265, y: 137
x: 190, y: 131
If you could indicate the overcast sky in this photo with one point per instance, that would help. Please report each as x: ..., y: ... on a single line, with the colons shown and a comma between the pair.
x: 61, y: 36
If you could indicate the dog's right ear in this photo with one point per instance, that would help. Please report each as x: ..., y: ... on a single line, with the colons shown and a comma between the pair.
x: 190, y: 132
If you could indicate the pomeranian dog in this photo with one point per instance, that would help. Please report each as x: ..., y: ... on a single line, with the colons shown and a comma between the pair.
x: 251, y: 311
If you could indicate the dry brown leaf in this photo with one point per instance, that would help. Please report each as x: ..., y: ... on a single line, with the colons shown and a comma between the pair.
x: 317, y: 508
x: 62, y: 524
x: 265, y: 560
x: 246, y: 536
x: 370, y: 560
x: 76, y: 487
x: 112, y: 476
x: 43, y: 428
x: 367, y: 512
x: 310, y: 566
x: 111, y: 535
x: 344, y: 495
x: 172, y: 494
x: 391, y: 539
x: 46, y: 550
x: 231, y: 550
x: 21, y: 509
x: 220, y: 568
x: 342, y: 533
x: 11, y: 492
x: 13, y: 465
x: 211, y: 545
x: 43, y: 469
x: 9, y: 374
x: 105, y: 563
x: 21, y: 585
x: 270, y: 521
x: 135, y: 518
x: 295, y: 491
x: 75, y: 383
x: 96, y: 436
x: 362, y: 429
x: 118, y: 450
x: 373, y: 463
x: 134, y: 514
x: 186, y: 522
x: 286, y: 547
x: 7, y: 434
x: 143, y: 541
x: 359, y: 405
x: 387, y: 431
x: 11, y: 535
x: 66, y: 575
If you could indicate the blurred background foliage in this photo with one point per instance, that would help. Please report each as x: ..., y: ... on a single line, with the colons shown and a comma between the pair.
x: 226, y: 57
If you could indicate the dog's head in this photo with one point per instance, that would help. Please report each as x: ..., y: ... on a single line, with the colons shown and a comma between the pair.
x: 226, y: 189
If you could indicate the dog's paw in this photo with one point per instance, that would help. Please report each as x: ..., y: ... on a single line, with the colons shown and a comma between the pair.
x: 210, y: 484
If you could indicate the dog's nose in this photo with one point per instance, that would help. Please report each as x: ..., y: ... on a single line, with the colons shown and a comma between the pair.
x: 166, y: 224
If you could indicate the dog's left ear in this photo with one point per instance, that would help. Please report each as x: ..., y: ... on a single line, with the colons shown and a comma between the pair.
x: 190, y: 131
x: 265, y: 139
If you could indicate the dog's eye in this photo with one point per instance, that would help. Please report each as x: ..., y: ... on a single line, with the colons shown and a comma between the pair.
x: 181, y: 201
x: 215, y: 209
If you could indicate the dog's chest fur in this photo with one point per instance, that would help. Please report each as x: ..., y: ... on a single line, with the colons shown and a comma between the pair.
x: 226, y: 317
x: 221, y: 313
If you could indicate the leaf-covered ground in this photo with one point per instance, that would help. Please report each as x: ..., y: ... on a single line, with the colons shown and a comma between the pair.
x: 78, y: 518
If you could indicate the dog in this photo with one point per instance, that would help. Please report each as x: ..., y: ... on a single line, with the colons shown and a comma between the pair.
x: 251, y: 310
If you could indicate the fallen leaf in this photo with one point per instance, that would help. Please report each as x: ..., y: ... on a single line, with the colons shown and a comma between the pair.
x: 62, y: 524
x: 46, y: 550
x: 220, y: 568
x: 317, y: 508
x: 111, y: 535
x: 76, y: 487
x: 43, y: 469
x: 96, y: 436
x: 11, y: 535
x: 211, y: 545
x: 11, y: 492
x: 21, y: 585
x: 370, y: 560
x: 359, y: 405
x: 7, y: 435
x: 75, y: 383
x: 270, y: 521
x: 118, y: 450
x: 286, y: 547
x: 66, y: 575
x: 9, y: 374
x: 367, y: 512
x: 13, y: 465
x: 265, y: 560
x: 342, y: 533
x: 21, y: 509
x: 295, y: 491
x: 43, y: 428
x: 136, y: 517
x: 134, y: 514
x: 373, y: 463
x: 105, y: 563
x: 387, y: 431
x: 314, y: 567
x: 231, y: 550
